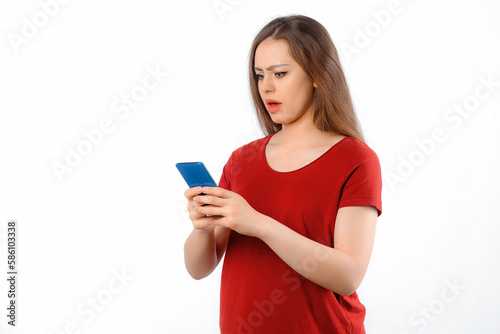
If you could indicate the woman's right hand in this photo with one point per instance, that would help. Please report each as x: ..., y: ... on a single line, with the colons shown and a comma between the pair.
x: 201, y: 222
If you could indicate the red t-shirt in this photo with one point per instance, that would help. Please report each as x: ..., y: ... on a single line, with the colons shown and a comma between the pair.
x: 260, y: 293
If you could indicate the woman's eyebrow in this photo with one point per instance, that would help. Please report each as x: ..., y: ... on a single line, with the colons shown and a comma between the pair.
x: 272, y: 67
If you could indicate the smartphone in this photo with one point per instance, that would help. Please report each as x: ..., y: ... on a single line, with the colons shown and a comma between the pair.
x: 195, y: 174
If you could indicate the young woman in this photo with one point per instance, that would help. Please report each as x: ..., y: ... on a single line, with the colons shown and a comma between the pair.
x: 295, y: 211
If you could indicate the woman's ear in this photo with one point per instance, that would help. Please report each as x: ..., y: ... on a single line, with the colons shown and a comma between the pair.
x: 314, y: 84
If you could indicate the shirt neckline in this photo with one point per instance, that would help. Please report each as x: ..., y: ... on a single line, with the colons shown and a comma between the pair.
x: 263, y: 153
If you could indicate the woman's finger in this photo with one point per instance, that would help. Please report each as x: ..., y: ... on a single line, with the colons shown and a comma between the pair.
x: 211, y: 210
x: 191, y: 192
x: 209, y: 199
x: 217, y: 191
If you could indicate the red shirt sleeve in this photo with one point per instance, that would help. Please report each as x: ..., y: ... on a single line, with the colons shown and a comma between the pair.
x: 225, y: 179
x: 363, y: 180
x: 231, y: 167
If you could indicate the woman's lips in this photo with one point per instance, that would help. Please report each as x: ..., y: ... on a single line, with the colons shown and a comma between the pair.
x: 272, y: 105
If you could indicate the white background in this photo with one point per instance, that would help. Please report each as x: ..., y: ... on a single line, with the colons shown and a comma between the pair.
x: 122, y: 210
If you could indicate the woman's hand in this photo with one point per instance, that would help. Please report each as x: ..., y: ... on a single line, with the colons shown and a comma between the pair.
x: 228, y: 209
x: 200, y: 221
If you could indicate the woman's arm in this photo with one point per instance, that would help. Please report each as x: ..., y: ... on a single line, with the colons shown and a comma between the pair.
x: 203, y: 251
x: 206, y: 244
x: 340, y: 269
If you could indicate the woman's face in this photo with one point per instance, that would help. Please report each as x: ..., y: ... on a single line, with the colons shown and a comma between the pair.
x: 283, y: 80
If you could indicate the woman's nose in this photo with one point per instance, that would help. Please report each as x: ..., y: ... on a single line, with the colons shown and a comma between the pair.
x: 267, y: 85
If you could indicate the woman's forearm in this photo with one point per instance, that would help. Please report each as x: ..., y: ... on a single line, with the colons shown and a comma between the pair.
x: 200, y: 254
x: 328, y: 267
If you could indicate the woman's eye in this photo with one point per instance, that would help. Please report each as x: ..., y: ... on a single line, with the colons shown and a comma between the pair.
x: 278, y: 74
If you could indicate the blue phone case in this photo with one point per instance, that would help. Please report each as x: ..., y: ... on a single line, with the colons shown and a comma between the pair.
x: 195, y: 174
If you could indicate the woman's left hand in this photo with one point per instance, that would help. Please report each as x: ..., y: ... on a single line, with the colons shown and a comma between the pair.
x: 230, y: 210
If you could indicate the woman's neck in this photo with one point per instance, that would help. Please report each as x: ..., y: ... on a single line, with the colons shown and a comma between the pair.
x: 301, y: 134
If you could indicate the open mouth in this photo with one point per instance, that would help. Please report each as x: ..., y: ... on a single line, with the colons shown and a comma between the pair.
x: 272, y: 105
x: 271, y: 102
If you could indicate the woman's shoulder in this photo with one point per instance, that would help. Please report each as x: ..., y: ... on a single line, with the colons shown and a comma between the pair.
x: 252, y: 147
x: 358, y: 150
